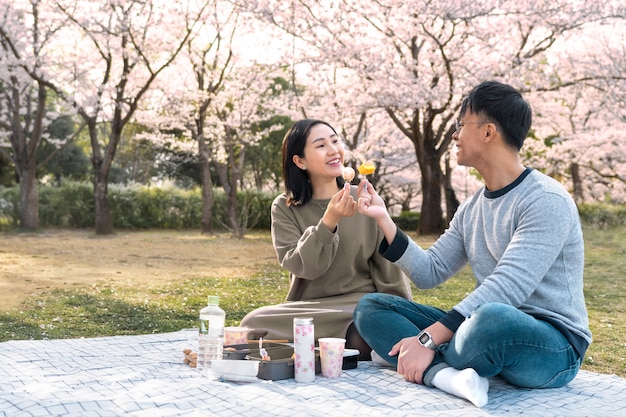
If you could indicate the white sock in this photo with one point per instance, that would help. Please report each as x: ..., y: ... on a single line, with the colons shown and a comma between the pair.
x: 465, y: 384
x: 378, y: 360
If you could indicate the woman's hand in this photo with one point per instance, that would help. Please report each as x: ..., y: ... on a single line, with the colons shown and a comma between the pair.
x: 341, y: 205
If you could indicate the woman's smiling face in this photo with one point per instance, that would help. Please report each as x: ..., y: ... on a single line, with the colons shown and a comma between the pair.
x: 323, y: 152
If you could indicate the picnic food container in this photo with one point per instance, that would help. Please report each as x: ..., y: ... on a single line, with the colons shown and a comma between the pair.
x: 235, y: 370
x: 281, y: 364
x: 241, y: 351
x: 350, y: 359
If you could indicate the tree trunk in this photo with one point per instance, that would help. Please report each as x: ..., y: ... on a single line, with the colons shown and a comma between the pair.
x: 231, y: 209
x: 29, y: 199
x: 25, y: 139
x: 235, y: 159
x: 452, y: 203
x: 430, y: 146
x: 104, y: 222
x: 431, y: 215
x: 577, y: 183
x: 101, y: 166
x: 206, y: 221
x: 229, y: 174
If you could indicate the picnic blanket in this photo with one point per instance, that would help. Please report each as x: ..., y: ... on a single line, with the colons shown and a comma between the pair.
x: 145, y: 376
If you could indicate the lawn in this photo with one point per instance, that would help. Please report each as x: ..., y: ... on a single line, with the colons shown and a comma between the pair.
x: 144, y: 304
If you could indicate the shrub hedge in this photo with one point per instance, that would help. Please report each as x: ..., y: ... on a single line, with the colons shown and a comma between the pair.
x: 603, y: 215
x: 71, y: 205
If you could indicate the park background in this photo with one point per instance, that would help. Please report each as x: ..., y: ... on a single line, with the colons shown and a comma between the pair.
x: 155, y: 114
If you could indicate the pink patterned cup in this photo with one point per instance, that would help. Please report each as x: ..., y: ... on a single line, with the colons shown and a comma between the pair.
x: 235, y: 335
x: 331, y: 356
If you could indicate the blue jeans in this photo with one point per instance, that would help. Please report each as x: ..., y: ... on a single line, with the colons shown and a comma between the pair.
x: 497, y: 339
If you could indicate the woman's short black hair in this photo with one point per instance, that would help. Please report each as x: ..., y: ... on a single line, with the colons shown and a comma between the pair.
x: 502, y: 105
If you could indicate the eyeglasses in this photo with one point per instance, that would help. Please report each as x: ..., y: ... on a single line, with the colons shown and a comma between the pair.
x: 458, y: 125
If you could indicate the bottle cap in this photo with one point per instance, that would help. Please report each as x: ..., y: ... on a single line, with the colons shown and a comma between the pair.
x: 302, y: 320
x: 214, y: 300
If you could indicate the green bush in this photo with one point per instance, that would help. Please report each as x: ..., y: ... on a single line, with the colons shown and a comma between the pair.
x: 254, y: 209
x: 603, y: 215
x: 407, y: 220
x: 141, y: 207
x: 71, y: 205
x: 9, y: 207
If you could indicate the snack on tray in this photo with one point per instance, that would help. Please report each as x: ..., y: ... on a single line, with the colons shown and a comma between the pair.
x: 348, y: 174
x: 191, y: 358
x: 367, y: 168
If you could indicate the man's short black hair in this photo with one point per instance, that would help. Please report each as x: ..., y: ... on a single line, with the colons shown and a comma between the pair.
x: 502, y: 105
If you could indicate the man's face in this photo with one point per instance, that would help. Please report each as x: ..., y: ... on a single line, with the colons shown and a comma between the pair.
x: 469, y: 137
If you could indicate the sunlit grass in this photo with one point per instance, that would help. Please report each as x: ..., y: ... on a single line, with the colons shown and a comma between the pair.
x: 109, y: 310
x: 605, y: 279
x: 105, y: 309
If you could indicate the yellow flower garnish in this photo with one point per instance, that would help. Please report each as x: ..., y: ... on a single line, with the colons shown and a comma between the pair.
x: 367, y: 168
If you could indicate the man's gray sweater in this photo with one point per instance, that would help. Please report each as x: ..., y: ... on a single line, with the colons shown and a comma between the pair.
x: 525, y: 246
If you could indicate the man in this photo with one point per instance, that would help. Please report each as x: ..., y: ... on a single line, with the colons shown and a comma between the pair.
x: 526, y: 319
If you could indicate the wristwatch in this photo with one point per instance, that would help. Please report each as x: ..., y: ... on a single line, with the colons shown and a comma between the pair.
x: 426, y: 340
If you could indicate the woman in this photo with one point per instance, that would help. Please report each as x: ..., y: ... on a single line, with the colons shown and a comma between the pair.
x: 328, y: 248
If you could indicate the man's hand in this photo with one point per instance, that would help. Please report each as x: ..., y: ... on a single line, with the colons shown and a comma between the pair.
x: 369, y: 202
x: 413, y: 358
x: 372, y: 205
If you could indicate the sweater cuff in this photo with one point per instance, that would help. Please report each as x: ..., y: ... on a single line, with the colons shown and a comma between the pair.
x: 452, y: 320
x: 396, y: 249
x: 325, y: 235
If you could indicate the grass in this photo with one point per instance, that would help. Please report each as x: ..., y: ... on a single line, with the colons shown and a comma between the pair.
x: 104, y: 309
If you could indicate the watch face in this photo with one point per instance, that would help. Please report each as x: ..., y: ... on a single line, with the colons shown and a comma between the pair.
x: 424, y: 338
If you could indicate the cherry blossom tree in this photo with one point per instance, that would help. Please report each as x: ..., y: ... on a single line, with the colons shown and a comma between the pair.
x: 187, y: 93
x: 24, y: 97
x: 217, y: 95
x: 115, y: 51
x: 101, y: 60
x: 234, y: 117
x: 389, y: 75
x: 587, y: 120
x: 416, y: 60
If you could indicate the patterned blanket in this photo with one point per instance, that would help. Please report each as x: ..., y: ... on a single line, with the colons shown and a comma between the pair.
x: 145, y: 376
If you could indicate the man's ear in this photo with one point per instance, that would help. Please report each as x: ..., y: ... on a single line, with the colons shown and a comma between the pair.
x: 490, y: 131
